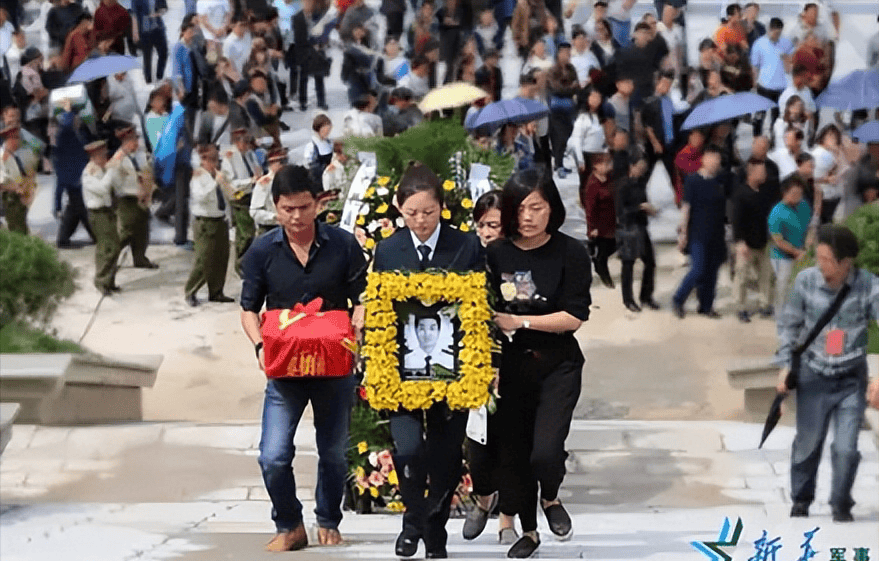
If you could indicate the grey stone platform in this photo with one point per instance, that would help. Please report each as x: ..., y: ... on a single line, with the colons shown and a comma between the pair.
x: 62, y: 389
x: 8, y: 414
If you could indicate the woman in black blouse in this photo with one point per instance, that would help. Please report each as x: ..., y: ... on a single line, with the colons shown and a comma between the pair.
x: 541, y: 278
x: 633, y: 239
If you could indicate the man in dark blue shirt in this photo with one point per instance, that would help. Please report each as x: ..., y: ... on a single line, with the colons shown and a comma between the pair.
x: 296, y: 263
x: 702, y: 231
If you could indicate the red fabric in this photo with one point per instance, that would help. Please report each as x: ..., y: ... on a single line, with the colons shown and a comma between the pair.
x: 342, y: 7
x: 598, y: 202
x: 112, y: 22
x: 77, y: 49
x: 688, y: 161
x: 306, y: 343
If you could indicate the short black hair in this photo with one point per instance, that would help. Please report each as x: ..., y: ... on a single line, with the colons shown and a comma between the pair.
x: 713, y: 148
x: 218, y: 95
x: 576, y: 31
x: 667, y: 74
x: 804, y: 157
x: 419, y: 317
x: 810, y: 5
x: 840, y: 240
x: 292, y: 180
x: 776, y: 23
x: 416, y: 179
x: 642, y: 25
x: 518, y: 187
x: 733, y: 9
x: 486, y: 202
x: 793, y: 180
x: 707, y: 44
x: 529, y: 78
x: 828, y: 129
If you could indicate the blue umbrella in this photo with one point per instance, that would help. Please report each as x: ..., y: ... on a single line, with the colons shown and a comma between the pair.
x: 868, y: 132
x: 858, y: 90
x: 514, y: 111
x: 101, y: 67
x: 726, y: 107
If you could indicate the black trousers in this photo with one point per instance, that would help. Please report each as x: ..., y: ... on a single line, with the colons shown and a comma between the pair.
x: 395, y: 24
x: 667, y: 157
x: 290, y: 61
x: 177, y: 203
x: 482, y: 460
x: 648, y: 278
x: 428, y: 447
x: 603, y: 248
x: 150, y: 41
x: 539, y: 389
x: 561, y: 125
x: 72, y: 216
x: 319, y: 88
x: 758, y: 120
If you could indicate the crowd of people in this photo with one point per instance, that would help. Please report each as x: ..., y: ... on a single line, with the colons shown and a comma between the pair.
x: 205, y: 153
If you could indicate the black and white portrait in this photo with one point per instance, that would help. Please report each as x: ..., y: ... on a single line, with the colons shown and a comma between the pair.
x: 429, y: 340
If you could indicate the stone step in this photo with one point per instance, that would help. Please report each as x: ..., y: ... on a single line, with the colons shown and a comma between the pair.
x: 8, y: 413
x: 67, y: 389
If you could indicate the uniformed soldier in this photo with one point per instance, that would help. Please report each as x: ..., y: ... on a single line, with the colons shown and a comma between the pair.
x: 210, y: 230
x: 17, y: 181
x: 97, y: 191
x: 242, y: 171
x: 134, y: 192
x: 262, y: 206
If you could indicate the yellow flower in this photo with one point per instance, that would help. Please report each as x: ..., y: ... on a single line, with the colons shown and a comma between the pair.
x: 387, y: 232
x: 466, y: 203
x: 446, y: 214
x: 360, y: 490
x: 464, y: 227
x: 369, y: 243
x: 396, y: 506
x: 360, y: 472
x: 368, y: 193
x: 374, y: 492
x: 449, y: 185
x: 383, y: 208
x: 383, y: 180
x: 392, y: 478
x: 361, y: 220
x: 362, y: 447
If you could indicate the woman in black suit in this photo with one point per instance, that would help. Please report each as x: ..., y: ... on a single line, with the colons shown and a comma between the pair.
x: 427, y: 442
x: 542, y: 279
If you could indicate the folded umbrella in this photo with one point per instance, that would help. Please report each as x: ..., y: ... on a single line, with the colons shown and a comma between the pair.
x: 858, y: 90
x: 101, y: 67
x: 726, y: 107
x: 451, y: 95
x: 510, y: 111
x: 773, y: 417
x: 868, y: 132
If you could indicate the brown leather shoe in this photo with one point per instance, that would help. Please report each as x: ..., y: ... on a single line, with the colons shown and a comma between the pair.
x: 293, y: 540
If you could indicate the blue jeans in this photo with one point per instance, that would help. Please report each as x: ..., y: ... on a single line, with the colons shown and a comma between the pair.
x: 705, y: 261
x: 285, y: 401
x: 621, y: 31
x: 820, y: 401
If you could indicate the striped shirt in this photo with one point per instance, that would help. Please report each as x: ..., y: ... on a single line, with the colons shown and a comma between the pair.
x: 810, y: 298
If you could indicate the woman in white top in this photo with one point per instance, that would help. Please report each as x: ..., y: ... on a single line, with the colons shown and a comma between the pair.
x: 830, y: 165
x: 538, y: 58
x: 794, y: 116
x: 587, y: 137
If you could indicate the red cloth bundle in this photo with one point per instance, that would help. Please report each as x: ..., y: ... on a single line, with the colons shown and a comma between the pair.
x: 307, y: 343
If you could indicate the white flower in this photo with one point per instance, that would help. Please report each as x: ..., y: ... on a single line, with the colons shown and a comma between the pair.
x: 373, y: 226
x: 382, y: 191
x: 373, y: 459
x: 364, y: 209
x: 400, y: 222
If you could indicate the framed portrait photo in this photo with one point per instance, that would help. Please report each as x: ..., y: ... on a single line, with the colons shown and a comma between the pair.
x: 427, y: 339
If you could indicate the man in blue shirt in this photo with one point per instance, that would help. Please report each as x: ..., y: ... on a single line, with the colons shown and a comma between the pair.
x: 788, y: 228
x: 771, y: 54
x: 296, y: 263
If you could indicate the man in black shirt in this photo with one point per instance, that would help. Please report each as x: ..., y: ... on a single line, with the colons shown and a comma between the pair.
x: 750, y: 214
x: 296, y: 263
x: 62, y: 18
x: 637, y: 61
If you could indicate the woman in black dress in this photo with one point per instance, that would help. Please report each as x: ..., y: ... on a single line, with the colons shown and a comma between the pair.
x: 541, y: 278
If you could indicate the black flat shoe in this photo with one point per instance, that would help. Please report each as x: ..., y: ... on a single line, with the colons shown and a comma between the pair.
x: 437, y: 554
x: 559, y: 521
x: 221, y: 298
x: 477, y: 518
x: 523, y: 548
x: 799, y: 510
x: 632, y: 307
x: 147, y: 265
x: 192, y: 300
x: 678, y: 310
x: 711, y: 314
x: 842, y: 515
x: 406, y: 545
x: 651, y: 303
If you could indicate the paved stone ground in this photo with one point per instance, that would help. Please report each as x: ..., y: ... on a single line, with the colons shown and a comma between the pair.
x: 636, y: 490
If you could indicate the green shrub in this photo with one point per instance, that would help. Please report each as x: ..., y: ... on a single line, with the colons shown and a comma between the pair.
x: 865, y: 224
x: 33, y: 280
x: 19, y: 337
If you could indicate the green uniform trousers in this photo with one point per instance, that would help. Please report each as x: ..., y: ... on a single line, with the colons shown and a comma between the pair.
x: 245, y: 228
x: 16, y: 213
x: 103, y: 221
x: 134, y: 229
x: 211, y: 256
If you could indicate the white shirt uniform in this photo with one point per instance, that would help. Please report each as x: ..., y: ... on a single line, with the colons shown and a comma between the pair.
x: 11, y: 174
x: 126, y: 183
x: 786, y: 163
x: 237, y: 50
x: 235, y: 168
x: 97, y: 186
x: 262, y: 206
x: 587, y: 136
x: 583, y: 63
x: 204, y: 200
x: 362, y: 124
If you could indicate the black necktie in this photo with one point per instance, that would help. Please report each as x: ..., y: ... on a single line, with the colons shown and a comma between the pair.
x: 221, y: 202
x: 19, y: 164
x: 427, y: 365
x: 247, y: 164
x: 134, y: 163
x: 424, y: 250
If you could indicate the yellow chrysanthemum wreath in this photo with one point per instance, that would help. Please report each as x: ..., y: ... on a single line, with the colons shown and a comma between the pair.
x: 384, y: 390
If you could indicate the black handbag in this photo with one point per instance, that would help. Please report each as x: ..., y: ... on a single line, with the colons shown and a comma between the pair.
x: 629, y: 242
x: 791, y: 380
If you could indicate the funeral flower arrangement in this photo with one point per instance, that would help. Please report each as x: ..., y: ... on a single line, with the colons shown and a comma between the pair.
x: 382, y: 382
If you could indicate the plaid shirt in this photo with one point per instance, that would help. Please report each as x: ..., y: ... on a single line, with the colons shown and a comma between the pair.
x: 810, y: 298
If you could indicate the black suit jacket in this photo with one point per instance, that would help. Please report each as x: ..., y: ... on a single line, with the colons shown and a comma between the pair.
x: 455, y: 251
